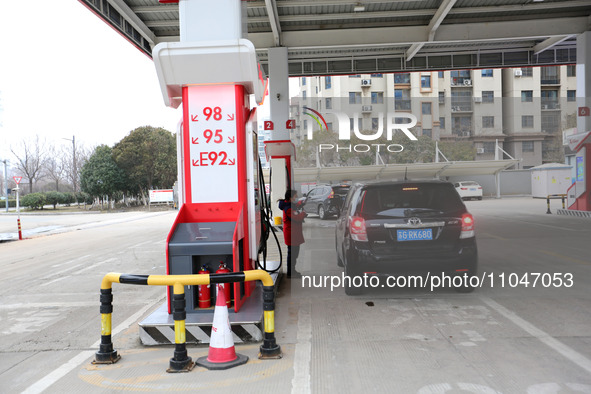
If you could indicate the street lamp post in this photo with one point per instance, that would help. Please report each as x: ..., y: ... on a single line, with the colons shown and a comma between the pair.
x: 5, y: 184
x: 74, y: 169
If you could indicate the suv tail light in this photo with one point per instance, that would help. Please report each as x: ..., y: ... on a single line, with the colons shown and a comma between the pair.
x: 331, y: 195
x: 357, y: 226
x: 467, y: 226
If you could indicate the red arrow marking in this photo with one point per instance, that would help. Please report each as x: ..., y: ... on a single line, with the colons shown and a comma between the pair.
x: 195, y: 163
x: 194, y: 118
x: 231, y: 117
x: 194, y: 140
x: 232, y: 162
x: 231, y: 140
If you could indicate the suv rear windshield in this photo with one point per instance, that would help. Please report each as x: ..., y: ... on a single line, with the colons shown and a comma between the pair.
x: 403, y: 200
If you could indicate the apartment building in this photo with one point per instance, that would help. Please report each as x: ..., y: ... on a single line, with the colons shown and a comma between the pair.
x: 523, y: 110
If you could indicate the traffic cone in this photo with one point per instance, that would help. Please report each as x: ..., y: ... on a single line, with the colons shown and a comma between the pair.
x: 222, y: 354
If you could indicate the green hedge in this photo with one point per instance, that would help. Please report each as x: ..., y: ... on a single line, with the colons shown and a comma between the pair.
x: 11, y: 204
x: 34, y: 200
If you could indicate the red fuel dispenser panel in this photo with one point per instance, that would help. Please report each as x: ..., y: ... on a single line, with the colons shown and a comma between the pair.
x: 212, y: 146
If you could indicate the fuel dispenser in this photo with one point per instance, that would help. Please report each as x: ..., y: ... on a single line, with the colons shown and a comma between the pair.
x: 218, y: 225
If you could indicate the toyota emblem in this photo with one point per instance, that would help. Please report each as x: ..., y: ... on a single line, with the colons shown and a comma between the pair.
x: 414, y: 221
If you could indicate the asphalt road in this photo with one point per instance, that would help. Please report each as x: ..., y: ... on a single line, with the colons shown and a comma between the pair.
x: 506, y: 337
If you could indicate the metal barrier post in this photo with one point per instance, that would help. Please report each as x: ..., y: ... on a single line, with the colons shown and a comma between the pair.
x: 180, y: 362
x: 106, y: 354
x: 548, y: 202
x: 562, y: 198
x: 269, y: 349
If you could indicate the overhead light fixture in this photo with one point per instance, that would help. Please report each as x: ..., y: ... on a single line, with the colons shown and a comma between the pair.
x: 537, y: 1
x: 359, y: 7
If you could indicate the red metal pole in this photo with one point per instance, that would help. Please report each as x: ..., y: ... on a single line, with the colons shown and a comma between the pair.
x: 20, y: 233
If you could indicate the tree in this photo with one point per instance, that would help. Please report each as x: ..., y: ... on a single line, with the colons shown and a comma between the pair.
x: 54, y: 166
x: 30, y: 159
x: 148, y: 157
x: 100, y: 175
x: 458, y: 150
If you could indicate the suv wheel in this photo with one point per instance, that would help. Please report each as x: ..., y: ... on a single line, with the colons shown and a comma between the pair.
x: 349, y: 289
x: 321, y: 212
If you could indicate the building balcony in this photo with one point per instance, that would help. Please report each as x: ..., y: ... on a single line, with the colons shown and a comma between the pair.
x: 402, y: 105
x: 461, y: 107
x: 550, y: 81
x: 461, y: 133
x: 461, y: 81
x: 550, y: 105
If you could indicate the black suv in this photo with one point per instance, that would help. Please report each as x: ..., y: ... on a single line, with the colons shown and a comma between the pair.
x: 325, y: 201
x: 405, y: 228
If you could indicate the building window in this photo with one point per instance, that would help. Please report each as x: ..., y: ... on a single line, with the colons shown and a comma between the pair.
x: 527, y: 72
x: 527, y: 146
x: 329, y: 126
x: 442, y: 123
x: 527, y: 96
x: 402, y: 99
x: 425, y: 82
x: 550, y: 75
x: 402, y: 78
x: 461, y: 126
x: 571, y: 71
x: 440, y: 74
x: 488, y: 122
x: 377, y: 97
x: 303, y: 81
x: 488, y: 96
x: 328, y: 103
x: 374, y: 124
x: 304, y: 94
x: 489, y: 147
x: 354, y: 97
x: 359, y: 123
x: 527, y: 121
x: 426, y: 108
x: 571, y: 95
x: 487, y: 72
x: 427, y: 132
x: 327, y: 82
x: 305, y: 124
x: 441, y: 97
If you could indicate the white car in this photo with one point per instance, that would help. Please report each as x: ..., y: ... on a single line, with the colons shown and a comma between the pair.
x: 468, y: 190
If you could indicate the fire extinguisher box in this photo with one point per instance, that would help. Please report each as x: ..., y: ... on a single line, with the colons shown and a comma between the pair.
x: 194, y: 245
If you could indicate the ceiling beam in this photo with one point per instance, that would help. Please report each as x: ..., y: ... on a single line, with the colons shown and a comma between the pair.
x: 121, y: 7
x: 522, y: 9
x: 549, y: 43
x: 434, y: 24
x: 528, y: 29
x: 148, y: 9
x: 274, y: 21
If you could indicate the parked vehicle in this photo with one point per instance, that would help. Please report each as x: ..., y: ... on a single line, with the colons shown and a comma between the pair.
x: 468, y: 190
x: 405, y: 228
x: 325, y: 201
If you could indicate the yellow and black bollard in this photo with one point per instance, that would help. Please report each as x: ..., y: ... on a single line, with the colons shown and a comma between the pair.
x: 548, y: 202
x: 180, y: 362
x: 106, y: 354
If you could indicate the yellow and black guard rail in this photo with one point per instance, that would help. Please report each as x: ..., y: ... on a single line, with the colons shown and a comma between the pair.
x: 181, y: 361
x: 554, y: 197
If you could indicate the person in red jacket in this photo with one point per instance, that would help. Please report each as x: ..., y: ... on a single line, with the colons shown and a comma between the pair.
x: 292, y: 230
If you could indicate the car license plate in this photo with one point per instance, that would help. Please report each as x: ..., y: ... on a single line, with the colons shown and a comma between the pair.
x: 472, y: 189
x: 414, y: 235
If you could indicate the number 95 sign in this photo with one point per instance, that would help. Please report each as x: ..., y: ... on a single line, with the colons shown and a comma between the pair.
x: 213, y: 174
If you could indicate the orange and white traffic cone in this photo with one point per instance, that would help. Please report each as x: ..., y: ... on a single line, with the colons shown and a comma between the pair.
x: 222, y: 354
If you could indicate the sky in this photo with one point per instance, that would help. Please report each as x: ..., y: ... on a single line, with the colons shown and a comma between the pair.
x: 64, y: 72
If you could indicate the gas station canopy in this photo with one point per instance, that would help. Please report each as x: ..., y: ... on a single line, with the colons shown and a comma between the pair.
x: 374, y: 36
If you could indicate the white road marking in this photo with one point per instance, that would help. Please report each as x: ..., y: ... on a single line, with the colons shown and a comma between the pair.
x: 77, y: 272
x: 45, y: 382
x: 303, y: 350
x: 545, y: 338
